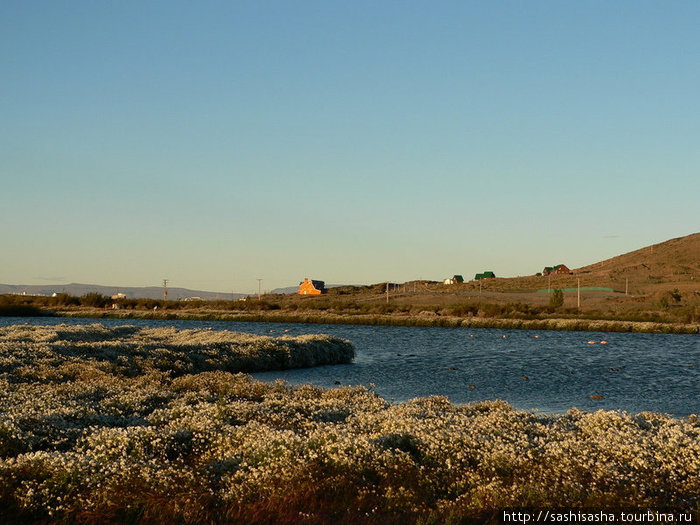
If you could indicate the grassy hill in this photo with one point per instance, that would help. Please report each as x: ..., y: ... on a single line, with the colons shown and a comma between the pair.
x: 675, y: 262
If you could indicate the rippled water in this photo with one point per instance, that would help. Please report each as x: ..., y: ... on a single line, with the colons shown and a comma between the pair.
x: 543, y: 370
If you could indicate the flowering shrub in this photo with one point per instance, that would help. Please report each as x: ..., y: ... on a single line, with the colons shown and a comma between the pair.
x: 139, y: 425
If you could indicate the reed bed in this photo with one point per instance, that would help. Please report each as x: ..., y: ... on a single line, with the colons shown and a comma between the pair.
x: 90, y: 433
x: 399, y: 319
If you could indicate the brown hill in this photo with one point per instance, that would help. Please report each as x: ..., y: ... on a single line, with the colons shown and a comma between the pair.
x: 660, y: 280
x: 675, y: 262
x: 660, y: 267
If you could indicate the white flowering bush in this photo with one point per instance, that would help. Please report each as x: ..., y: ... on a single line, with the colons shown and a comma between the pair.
x: 142, y: 426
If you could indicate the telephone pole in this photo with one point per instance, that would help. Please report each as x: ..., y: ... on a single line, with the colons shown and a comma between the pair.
x: 259, y: 284
x: 165, y: 289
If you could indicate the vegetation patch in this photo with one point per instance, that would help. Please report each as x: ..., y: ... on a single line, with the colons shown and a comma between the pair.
x: 130, y: 350
x: 152, y: 426
x: 669, y: 311
x: 19, y: 306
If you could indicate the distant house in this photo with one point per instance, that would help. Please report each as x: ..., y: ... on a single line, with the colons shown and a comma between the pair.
x: 311, y: 287
x: 484, y: 275
x: 456, y: 279
x: 558, y: 269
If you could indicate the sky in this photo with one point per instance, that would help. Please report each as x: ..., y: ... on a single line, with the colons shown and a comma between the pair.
x: 216, y: 143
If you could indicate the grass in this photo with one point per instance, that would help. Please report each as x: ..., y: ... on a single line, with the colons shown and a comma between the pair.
x: 670, y: 311
x: 135, y: 425
x: 422, y: 318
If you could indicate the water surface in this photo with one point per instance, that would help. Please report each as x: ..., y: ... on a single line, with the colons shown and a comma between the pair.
x: 548, y: 371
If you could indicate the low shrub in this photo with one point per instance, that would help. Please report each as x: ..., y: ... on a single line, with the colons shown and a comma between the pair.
x: 219, y: 447
x: 21, y: 310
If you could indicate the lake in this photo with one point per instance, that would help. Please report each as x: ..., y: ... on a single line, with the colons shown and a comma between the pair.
x: 546, y: 371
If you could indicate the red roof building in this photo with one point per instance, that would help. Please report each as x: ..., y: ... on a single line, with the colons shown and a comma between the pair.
x: 558, y: 269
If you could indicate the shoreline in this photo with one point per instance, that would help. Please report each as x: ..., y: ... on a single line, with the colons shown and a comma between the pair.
x: 310, y: 317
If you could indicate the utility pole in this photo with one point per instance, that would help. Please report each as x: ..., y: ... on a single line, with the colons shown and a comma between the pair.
x: 165, y: 289
x: 626, y: 285
x: 387, y: 292
x: 259, y: 295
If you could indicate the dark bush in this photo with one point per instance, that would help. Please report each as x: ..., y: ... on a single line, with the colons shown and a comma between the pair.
x: 148, y: 304
x: 556, y: 300
x: 94, y: 300
x: 463, y: 310
x: 490, y: 310
x: 20, y: 310
x: 63, y: 299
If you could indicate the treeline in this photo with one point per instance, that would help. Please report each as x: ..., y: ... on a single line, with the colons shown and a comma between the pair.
x: 11, y: 304
x: 34, y: 303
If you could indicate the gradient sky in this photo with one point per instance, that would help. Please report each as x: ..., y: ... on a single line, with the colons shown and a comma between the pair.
x: 215, y: 143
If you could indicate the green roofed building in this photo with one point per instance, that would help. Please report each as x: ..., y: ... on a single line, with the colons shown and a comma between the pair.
x: 485, y: 275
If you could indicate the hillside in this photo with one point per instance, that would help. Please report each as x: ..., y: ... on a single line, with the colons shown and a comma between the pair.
x: 671, y: 264
x: 676, y: 262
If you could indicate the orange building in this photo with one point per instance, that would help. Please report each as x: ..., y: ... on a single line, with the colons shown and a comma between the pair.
x: 310, y: 287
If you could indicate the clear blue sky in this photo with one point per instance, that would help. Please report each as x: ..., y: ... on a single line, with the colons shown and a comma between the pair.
x: 215, y: 143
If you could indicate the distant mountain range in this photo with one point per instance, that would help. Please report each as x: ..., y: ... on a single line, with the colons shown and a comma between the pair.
x: 288, y: 289
x: 131, y: 292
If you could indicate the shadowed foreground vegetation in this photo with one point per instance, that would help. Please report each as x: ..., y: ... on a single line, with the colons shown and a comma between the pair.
x: 152, y: 426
